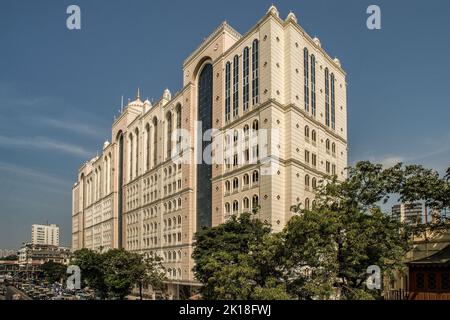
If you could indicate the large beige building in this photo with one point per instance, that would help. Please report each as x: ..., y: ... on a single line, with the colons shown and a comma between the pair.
x: 277, y: 102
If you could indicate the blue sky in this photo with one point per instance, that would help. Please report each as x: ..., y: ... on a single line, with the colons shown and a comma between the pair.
x: 60, y: 89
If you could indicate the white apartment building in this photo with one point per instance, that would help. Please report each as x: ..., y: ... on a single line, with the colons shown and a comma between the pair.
x: 45, y: 234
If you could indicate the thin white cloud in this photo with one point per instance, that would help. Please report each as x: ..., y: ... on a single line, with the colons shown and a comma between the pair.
x: 41, y: 177
x: 72, y: 126
x: 44, y: 144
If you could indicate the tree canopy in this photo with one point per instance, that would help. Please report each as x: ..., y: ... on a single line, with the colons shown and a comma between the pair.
x: 324, y: 251
x: 114, y: 273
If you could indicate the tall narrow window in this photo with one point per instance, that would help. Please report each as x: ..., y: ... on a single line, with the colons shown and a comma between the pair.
x: 178, y: 110
x: 255, y: 72
x: 333, y: 109
x: 235, y: 86
x: 131, y: 156
x: 246, y: 69
x: 204, y: 170
x: 313, y: 85
x: 227, y: 90
x: 169, y: 134
x: 137, y: 153
x: 306, y: 77
x: 147, y: 146
x: 155, y: 141
x: 327, y: 97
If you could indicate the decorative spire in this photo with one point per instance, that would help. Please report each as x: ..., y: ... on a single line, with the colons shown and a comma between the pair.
x: 138, y: 97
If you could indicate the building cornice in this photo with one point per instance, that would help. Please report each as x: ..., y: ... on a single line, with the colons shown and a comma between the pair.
x: 224, y: 26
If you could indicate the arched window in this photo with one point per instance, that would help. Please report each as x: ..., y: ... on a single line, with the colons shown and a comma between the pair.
x: 246, y: 180
x: 314, y: 183
x: 235, y: 184
x: 235, y: 206
x: 307, y: 203
x: 255, y: 126
x: 255, y: 202
x: 179, y: 220
x: 327, y: 145
x: 327, y: 97
x: 155, y: 141
x: 227, y: 90
x: 313, y: 85
x: 333, y: 109
x: 306, y: 132
x: 255, y: 177
x: 169, y: 134
x: 255, y: 72
x: 235, y: 85
x: 306, y: 77
x: 246, y: 131
x: 246, y: 203
x: 333, y: 148
x: 235, y: 136
x: 227, y: 186
x: 307, y: 181
x: 246, y: 69
x: 227, y: 208
x: 313, y: 136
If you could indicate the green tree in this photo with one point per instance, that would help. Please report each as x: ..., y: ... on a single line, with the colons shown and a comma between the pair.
x: 92, y: 270
x: 238, y: 260
x: 329, y: 247
x: 120, y: 272
x: 53, y: 271
x: 323, y: 252
x: 150, y: 271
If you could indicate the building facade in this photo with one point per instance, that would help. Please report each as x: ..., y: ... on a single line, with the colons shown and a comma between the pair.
x: 408, y: 212
x: 37, y: 254
x: 276, y: 102
x: 45, y: 234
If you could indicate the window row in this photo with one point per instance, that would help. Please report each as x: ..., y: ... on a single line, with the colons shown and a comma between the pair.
x: 232, y: 81
x: 234, y: 184
x: 234, y: 207
x: 150, y: 142
x: 309, y: 88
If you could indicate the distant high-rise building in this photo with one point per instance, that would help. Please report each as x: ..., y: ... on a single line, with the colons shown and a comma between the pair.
x: 45, y: 234
x: 408, y: 212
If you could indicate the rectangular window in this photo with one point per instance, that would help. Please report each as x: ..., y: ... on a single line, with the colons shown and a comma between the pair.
x: 327, y: 167
x: 327, y: 97
x: 333, y: 108
x: 227, y: 91
x: 306, y: 156
x: 246, y: 87
x: 313, y: 85
x: 306, y: 77
x: 255, y: 72
x: 235, y: 86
